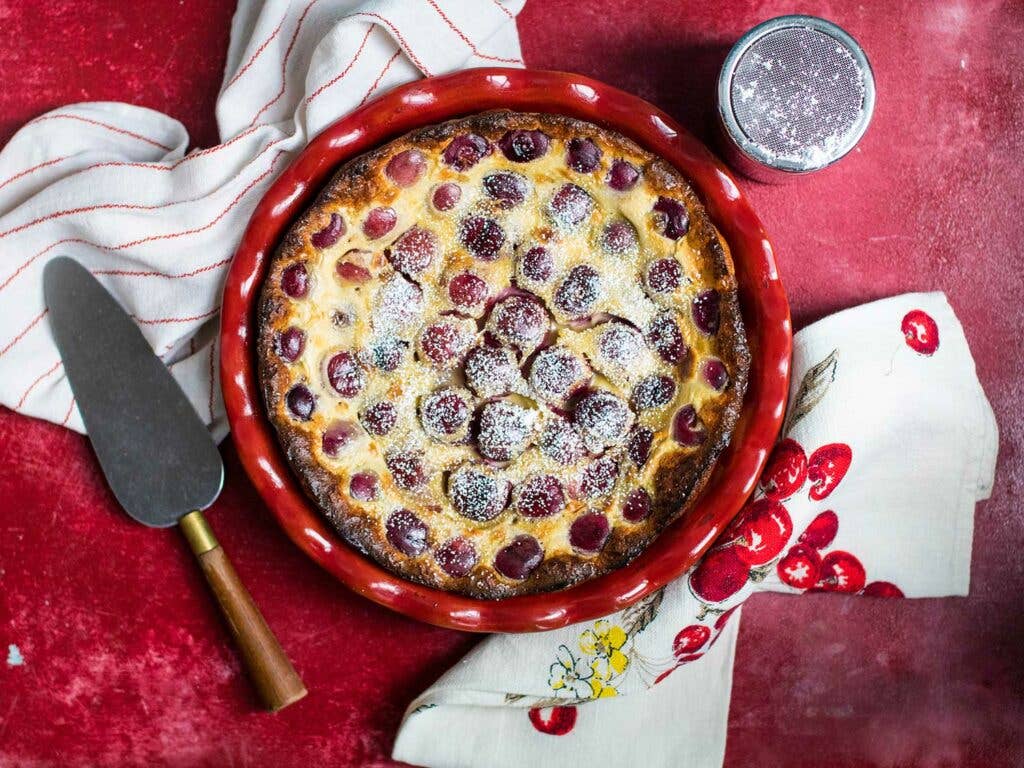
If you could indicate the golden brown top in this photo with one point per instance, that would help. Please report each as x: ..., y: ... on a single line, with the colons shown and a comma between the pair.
x: 502, y: 352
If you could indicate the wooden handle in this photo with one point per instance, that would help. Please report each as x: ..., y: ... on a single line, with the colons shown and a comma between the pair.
x: 271, y: 672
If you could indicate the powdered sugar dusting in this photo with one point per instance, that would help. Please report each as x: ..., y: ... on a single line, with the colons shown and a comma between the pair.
x: 556, y: 373
x: 505, y: 430
x: 397, y: 306
x: 477, y: 494
x: 560, y: 442
x: 445, y: 414
x: 619, y: 344
x: 603, y: 419
x: 490, y: 321
x: 491, y: 371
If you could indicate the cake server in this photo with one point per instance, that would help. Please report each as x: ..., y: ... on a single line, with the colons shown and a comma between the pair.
x: 155, y: 452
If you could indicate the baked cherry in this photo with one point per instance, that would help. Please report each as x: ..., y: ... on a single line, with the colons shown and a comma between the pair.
x: 380, y: 418
x: 622, y: 176
x: 467, y: 290
x: 490, y: 371
x: 300, y: 402
x: 760, y: 531
x: 290, y: 344
x: 350, y: 271
x: 705, y: 311
x: 397, y: 304
x: 687, y: 428
x: 413, y: 251
x: 653, y: 392
x: 330, y: 234
x: 465, y: 151
x: 619, y: 238
x: 619, y: 345
x: 671, y: 218
x: 483, y: 237
x: 921, y: 332
x: 444, y: 343
x: 387, y: 354
x: 882, y: 589
x: 508, y: 188
x: 345, y: 375
x: 841, y: 572
x: 504, y: 430
x: 556, y: 373
x: 520, y: 322
x: 713, y: 373
x: 406, y: 167
x: 446, y: 196
x: 638, y: 445
x: 445, y: 413
x: 364, y: 486
x: 406, y: 467
x: 690, y: 639
x: 822, y: 530
x: 579, y: 291
x: 637, y: 505
x: 337, y: 436
x: 406, y: 532
x: 582, y: 155
x: 719, y: 575
x: 598, y: 478
x: 519, y: 558
x: 589, y: 532
x: 570, y: 206
x: 540, y: 496
x: 826, y: 468
x: 456, y: 557
x: 603, y: 418
x: 477, y: 495
x: 379, y: 221
x: 664, y: 335
x: 800, y: 568
x: 343, y: 317
x: 786, y: 470
x: 536, y: 265
x: 560, y: 442
x: 664, y: 276
x: 524, y: 146
x: 295, y: 281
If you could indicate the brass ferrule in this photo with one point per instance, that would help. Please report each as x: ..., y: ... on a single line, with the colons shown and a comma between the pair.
x: 198, y: 532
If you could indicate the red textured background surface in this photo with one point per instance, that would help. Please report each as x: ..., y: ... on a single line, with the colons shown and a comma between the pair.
x: 125, y: 660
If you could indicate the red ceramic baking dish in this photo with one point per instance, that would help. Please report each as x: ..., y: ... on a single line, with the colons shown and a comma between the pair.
x: 764, y: 306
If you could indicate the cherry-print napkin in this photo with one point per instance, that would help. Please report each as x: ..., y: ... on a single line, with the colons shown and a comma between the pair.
x: 111, y: 185
x: 888, y: 434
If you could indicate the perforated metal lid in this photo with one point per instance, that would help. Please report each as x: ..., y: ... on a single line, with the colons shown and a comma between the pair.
x: 795, y: 94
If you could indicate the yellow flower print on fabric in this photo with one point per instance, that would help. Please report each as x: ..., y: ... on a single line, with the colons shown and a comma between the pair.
x: 570, y: 674
x: 604, y: 642
x: 601, y: 689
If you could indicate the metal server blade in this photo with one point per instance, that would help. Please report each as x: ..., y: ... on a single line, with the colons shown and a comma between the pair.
x: 795, y: 95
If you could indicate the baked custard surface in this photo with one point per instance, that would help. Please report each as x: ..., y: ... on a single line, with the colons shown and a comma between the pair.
x: 503, y: 352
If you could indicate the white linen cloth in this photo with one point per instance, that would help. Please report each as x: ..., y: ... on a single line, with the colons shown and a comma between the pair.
x: 111, y: 186
x: 921, y: 440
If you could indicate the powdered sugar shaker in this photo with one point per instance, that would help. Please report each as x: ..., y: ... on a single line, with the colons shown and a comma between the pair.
x: 795, y: 95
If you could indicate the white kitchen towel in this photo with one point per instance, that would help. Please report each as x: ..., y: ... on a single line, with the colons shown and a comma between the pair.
x: 889, y: 442
x: 111, y: 186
